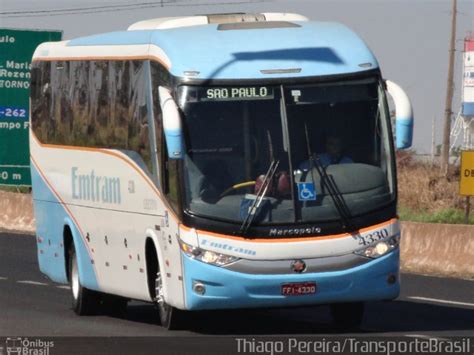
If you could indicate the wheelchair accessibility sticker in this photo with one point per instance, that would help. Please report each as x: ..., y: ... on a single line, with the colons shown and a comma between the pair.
x: 306, y: 191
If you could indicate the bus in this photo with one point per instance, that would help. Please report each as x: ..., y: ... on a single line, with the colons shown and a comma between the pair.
x: 218, y: 161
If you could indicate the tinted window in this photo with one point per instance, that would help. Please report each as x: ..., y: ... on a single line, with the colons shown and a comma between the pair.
x: 92, y: 104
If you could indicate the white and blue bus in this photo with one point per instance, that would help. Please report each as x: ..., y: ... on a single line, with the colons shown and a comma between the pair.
x: 217, y: 162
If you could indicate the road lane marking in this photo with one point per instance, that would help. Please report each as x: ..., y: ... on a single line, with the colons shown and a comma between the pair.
x: 32, y: 283
x: 64, y: 287
x: 441, y: 301
x: 3, y: 278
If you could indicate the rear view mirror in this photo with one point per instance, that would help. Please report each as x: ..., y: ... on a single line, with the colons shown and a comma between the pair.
x: 403, y: 116
x: 171, y: 124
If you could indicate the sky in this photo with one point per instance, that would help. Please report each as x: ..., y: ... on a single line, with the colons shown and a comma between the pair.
x: 410, y: 38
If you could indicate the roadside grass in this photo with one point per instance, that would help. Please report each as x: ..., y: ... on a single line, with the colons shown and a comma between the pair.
x: 18, y: 189
x: 425, y: 195
x: 449, y: 216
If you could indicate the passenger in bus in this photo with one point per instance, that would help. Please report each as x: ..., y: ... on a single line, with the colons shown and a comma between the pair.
x: 334, y: 154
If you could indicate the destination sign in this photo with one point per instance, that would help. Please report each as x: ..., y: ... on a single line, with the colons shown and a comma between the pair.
x: 236, y: 93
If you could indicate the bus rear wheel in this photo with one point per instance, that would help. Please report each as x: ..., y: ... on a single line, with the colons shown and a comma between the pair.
x: 348, y: 316
x: 84, y: 301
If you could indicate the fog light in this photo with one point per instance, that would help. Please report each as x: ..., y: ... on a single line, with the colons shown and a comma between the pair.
x: 199, y: 288
x: 391, y: 279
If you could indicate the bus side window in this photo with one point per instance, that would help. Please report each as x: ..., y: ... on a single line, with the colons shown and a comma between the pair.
x: 41, y: 99
x: 158, y: 137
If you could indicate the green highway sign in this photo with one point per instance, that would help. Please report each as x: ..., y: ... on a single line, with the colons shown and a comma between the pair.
x: 16, y: 49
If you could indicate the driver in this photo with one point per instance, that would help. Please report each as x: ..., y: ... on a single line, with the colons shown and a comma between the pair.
x: 333, y: 155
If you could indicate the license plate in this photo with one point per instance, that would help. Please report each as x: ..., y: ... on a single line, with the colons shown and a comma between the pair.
x: 298, y: 289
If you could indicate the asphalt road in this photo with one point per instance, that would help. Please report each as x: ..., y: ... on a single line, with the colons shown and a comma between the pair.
x: 31, y: 305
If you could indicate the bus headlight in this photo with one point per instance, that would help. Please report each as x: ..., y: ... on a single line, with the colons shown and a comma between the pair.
x: 206, y: 256
x: 380, y: 248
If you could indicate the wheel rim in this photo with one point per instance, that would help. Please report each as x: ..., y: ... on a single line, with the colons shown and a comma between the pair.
x: 159, y: 289
x: 74, y: 280
x: 160, y: 299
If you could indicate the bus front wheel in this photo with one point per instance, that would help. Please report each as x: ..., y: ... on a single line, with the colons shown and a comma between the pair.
x: 170, y: 317
x: 348, y: 316
x: 84, y: 301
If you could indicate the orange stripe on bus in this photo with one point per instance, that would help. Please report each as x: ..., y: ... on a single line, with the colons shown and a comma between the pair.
x: 288, y: 240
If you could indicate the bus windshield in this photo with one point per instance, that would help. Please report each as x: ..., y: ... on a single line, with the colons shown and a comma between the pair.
x: 318, y: 135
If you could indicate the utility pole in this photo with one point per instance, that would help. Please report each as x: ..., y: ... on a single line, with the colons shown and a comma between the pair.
x: 449, y: 95
x: 433, y: 141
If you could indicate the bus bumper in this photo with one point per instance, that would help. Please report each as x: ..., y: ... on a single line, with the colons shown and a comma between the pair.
x: 225, y: 289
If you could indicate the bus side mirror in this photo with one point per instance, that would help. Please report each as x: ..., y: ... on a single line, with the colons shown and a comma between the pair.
x: 171, y: 124
x: 403, y: 115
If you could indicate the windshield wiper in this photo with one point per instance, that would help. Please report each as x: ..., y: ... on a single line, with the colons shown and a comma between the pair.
x: 261, y: 193
x: 267, y: 181
x: 330, y: 184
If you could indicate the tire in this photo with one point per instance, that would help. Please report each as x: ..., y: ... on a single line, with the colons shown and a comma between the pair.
x: 171, y: 318
x: 84, y: 301
x: 348, y: 316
